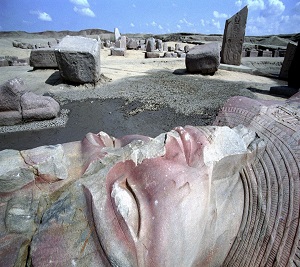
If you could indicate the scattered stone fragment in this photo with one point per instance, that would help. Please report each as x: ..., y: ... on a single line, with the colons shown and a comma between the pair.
x: 233, y: 38
x: 203, y: 59
x: 78, y: 59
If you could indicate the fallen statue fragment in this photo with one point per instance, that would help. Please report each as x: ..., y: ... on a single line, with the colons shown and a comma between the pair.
x: 222, y: 195
x: 18, y: 105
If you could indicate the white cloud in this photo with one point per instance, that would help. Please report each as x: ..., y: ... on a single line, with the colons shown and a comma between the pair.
x: 178, y: 26
x: 274, y: 8
x: 160, y: 27
x: 131, y: 24
x: 220, y: 15
x: 153, y: 23
x: 84, y: 11
x: 239, y: 3
x: 256, y: 4
x: 202, y: 22
x: 216, y: 24
x: 187, y: 23
x: 133, y: 5
x: 83, y: 3
x: 41, y: 15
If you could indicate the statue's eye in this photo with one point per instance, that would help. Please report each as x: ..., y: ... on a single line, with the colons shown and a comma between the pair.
x: 126, y: 204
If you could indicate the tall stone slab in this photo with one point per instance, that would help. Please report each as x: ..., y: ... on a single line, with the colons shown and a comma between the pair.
x: 294, y: 70
x: 289, y: 56
x: 233, y: 38
x: 117, y: 34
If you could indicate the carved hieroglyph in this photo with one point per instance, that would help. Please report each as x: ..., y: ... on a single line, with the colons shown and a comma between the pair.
x: 233, y: 38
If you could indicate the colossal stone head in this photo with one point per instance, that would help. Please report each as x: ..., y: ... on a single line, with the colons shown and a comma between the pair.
x: 195, y: 196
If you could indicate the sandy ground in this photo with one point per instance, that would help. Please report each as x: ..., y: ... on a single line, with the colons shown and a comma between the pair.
x: 135, y: 95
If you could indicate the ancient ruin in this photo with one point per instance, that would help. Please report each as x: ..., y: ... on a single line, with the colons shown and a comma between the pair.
x: 233, y: 38
x: 232, y: 188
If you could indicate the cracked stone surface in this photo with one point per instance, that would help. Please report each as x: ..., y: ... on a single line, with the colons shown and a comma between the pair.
x: 194, y: 196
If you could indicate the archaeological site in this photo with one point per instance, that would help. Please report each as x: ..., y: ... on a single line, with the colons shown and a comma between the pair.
x: 150, y: 150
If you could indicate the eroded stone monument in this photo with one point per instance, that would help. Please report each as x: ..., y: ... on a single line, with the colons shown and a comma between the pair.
x: 233, y: 38
x: 222, y: 195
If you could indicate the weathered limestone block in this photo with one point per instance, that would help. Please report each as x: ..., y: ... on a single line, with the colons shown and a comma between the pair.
x: 233, y: 38
x: 17, y: 105
x: 203, y: 59
x: 78, y: 59
x: 43, y: 58
x: 14, y: 173
x: 36, y: 107
x: 117, y: 51
x: 152, y: 55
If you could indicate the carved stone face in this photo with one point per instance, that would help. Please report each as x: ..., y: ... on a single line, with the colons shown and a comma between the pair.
x: 176, y: 198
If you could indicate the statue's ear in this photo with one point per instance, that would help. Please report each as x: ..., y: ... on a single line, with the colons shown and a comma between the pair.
x: 231, y: 149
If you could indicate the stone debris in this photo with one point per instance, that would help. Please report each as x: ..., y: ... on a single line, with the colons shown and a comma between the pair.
x: 18, y: 105
x: 203, y: 59
x: 233, y: 38
x: 78, y: 59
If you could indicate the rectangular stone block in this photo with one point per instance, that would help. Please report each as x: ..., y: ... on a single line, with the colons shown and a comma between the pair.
x: 289, y: 56
x: 117, y: 51
x: 43, y: 58
x: 266, y: 53
x: 78, y: 59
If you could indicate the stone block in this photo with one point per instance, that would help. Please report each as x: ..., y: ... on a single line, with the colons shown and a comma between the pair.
x: 4, y: 63
x: 186, y: 48
x: 43, y: 58
x: 289, y: 56
x: 132, y: 44
x: 117, y: 51
x: 233, y: 38
x: 152, y: 55
x: 117, y: 34
x: 78, y: 59
x: 252, y: 53
x: 159, y: 45
x: 165, y: 46
x: 10, y: 94
x: 150, y: 45
x: 203, y: 59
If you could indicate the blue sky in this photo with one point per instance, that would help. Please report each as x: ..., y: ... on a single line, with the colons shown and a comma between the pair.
x: 155, y: 16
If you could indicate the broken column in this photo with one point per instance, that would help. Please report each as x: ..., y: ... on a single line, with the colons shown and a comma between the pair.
x: 233, y: 38
x: 78, y: 59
